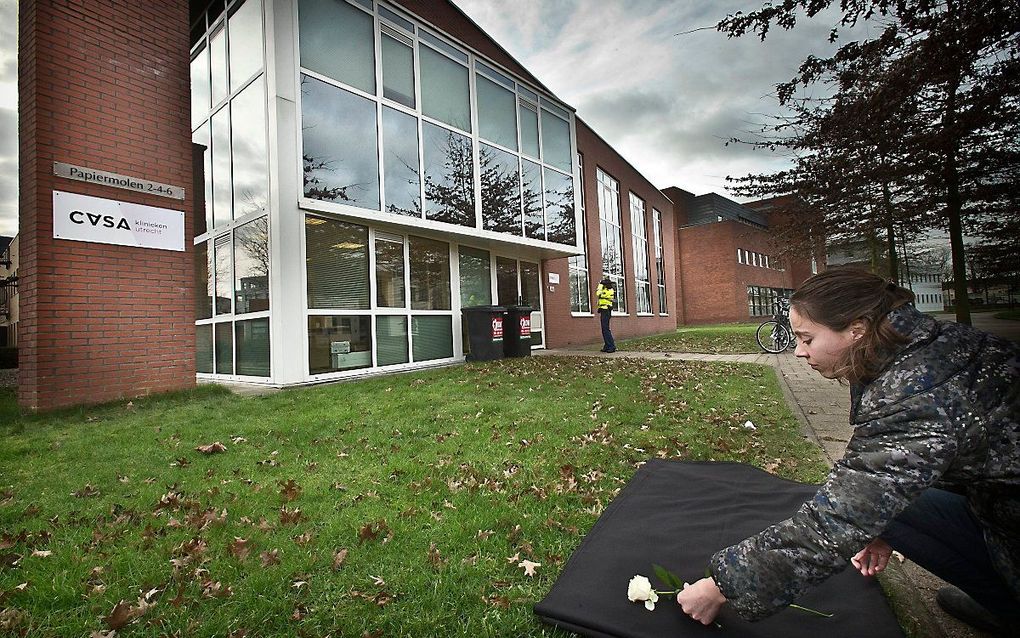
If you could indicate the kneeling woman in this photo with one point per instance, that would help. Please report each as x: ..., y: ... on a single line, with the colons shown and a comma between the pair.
x: 932, y: 469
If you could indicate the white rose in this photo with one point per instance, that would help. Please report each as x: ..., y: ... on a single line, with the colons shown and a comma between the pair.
x: 640, y: 588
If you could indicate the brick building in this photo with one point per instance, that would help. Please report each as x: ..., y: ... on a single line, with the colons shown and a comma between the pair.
x: 332, y: 181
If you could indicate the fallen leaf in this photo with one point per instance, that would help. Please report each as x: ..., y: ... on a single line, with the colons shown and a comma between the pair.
x: 270, y: 558
x: 303, y: 539
x: 378, y: 581
x: 240, y: 548
x: 529, y: 567
x: 515, y: 558
x: 434, y: 556
x: 289, y: 489
x: 86, y: 492
x: 42, y: 553
x: 120, y: 616
x: 212, y: 448
x: 339, y: 558
x: 290, y: 516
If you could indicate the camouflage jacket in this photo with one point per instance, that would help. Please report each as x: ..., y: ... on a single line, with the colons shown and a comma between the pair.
x: 944, y: 411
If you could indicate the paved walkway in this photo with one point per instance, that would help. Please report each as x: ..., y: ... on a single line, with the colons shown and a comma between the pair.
x: 823, y: 408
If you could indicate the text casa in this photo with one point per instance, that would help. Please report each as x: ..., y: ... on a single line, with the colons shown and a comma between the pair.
x: 108, y: 221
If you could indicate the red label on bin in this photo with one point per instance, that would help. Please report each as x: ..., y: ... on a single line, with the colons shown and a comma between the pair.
x: 497, y: 328
x: 525, y: 326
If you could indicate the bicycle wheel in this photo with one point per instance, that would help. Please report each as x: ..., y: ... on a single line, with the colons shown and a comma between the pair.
x: 772, y: 337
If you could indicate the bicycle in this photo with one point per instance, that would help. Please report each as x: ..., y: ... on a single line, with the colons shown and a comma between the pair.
x: 776, y: 335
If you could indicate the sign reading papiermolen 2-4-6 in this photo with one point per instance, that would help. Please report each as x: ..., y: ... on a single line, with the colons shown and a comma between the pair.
x: 106, y: 221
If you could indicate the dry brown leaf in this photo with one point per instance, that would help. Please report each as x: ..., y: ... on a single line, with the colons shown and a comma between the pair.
x: 120, y: 616
x: 290, y: 516
x: 211, y: 448
x: 529, y: 567
x: 86, y: 492
x: 270, y: 558
x: 240, y: 548
x: 303, y: 539
x: 434, y: 556
x: 339, y: 558
x: 41, y: 553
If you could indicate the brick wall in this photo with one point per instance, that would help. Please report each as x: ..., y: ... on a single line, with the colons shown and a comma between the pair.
x: 102, y: 84
x: 564, y: 329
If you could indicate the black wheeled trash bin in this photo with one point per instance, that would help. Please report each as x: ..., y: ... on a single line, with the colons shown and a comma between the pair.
x: 517, y: 342
x: 485, y: 325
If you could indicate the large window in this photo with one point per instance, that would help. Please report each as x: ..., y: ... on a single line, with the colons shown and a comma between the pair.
x: 611, y: 231
x: 337, y: 264
x: 639, y: 236
x: 425, y: 97
x: 660, y: 262
x: 580, y: 296
x: 762, y: 301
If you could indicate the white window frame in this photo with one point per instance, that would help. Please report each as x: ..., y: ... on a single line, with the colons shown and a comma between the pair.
x: 639, y: 240
x: 611, y: 232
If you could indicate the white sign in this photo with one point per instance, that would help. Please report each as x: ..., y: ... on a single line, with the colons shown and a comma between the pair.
x: 554, y: 277
x: 106, y: 221
x: 93, y: 176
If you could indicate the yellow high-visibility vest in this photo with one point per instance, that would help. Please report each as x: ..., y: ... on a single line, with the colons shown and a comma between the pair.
x: 604, y: 297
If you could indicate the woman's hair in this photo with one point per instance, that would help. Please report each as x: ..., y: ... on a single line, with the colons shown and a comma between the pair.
x: 608, y: 283
x: 838, y: 297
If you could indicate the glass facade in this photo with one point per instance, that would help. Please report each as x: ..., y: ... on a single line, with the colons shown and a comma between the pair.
x: 639, y: 235
x: 580, y: 296
x: 611, y: 231
x: 764, y: 302
x: 660, y: 262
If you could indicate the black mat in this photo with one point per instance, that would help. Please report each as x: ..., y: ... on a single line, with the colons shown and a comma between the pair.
x: 677, y: 515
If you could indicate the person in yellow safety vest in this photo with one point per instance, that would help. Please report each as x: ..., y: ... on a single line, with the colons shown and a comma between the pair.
x: 605, y: 294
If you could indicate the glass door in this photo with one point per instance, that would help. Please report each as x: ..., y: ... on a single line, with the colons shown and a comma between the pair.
x: 520, y: 283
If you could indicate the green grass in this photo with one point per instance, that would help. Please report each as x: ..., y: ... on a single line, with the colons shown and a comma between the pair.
x: 715, y: 339
x: 1011, y: 315
x: 467, y: 466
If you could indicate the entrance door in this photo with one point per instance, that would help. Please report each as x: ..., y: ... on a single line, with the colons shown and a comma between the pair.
x: 519, y: 283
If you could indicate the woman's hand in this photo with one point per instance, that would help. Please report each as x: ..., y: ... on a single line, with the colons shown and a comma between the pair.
x: 701, y: 601
x: 873, y: 558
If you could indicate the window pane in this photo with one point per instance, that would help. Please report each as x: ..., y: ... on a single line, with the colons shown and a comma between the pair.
x: 339, y: 343
x: 475, y: 277
x: 389, y: 273
x: 341, y: 161
x: 433, y: 337
x: 251, y: 267
x: 497, y: 119
x: 579, y: 301
x: 506, y: 281
x: 218, y: 57
x: 449, y: 176
x: 204, y: 348
x: 559, y: 208
x: 531, y: 182
x: 203, y: 224
x: 337, y: 264
x: 556, y: 141
x: 224, y: 291
x: 391, y: 340
x: 529, y: 130
x: 252, y: 347
x: 199, y: 87
x: 530, y: 286
x: 444, y: 89
x: 203, y: 282
x: 501, y: 190
x: 400, y: 161
x: 245, y: 43
x: 398, y: 71
x: 337, y: 41
x: 224, y: 348
x: 221, y: 195
x: 251, y: 172
x: 430, y: 274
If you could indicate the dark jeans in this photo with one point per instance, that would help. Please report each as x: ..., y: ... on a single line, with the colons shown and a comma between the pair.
x: 607, y: 334
x: 939, y: 533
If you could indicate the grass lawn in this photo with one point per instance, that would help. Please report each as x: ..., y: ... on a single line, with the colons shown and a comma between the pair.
x: 715, y: 339
x: 396, y: 506
x: 1012, y: 315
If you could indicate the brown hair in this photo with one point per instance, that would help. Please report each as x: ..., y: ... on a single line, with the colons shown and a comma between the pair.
x: 838, y: 297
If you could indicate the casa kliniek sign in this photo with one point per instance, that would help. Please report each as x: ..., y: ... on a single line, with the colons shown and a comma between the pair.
x: 106, y: 221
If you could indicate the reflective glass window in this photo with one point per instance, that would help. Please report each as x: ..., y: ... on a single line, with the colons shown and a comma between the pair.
x: 444, y: 89
x: 449, y: 176
x: 224, y: 347
x: 337, y: 41
x: 398, y: 70
x: 506, y: 281
x: 497, y: 115
x: 501, y: 190
x: 531, y: 191
x: 204, y: 348
x: 556, y: 141
x: 203, y: 212
x: 430, y: 274
x: 221, y: 188
x: 391, y: 340
x: 199, y: 87
x: 221, y: 259
x: 203, y: 282
x: 559, y: 208
x: 246, y: 42
x: 252, y: 347
x: 340, y: 154
x: 339, y: 343
x: 251, y: 267
x: 337, y: 264
x: 531, y: 283
x: 389, y: 272
x: 250, y: 160
x: 218, y: 63
x: 529, y: 129
x: 400, y: 163
x: 475, y: 277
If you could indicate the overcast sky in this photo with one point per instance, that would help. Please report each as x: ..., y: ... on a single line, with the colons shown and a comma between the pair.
x: 666, y: 102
